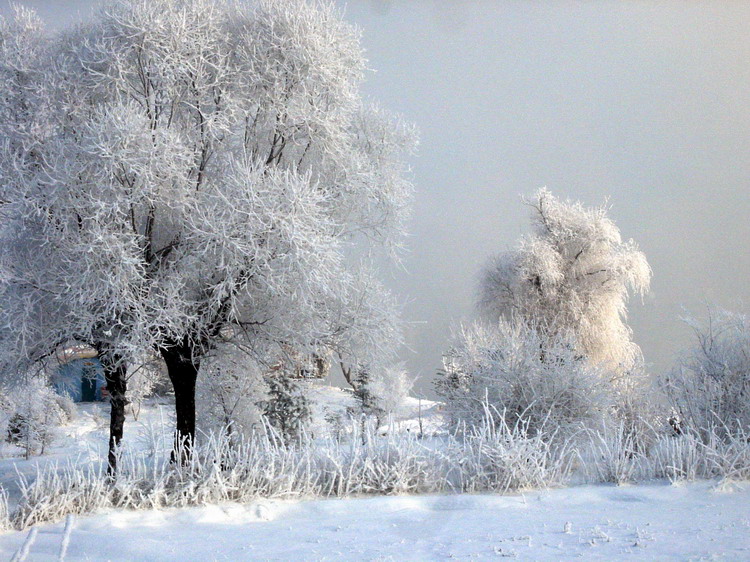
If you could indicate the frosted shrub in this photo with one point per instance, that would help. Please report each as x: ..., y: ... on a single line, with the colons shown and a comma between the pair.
x: 505, y: 457
x: 389, y: 388
x: 35, y: 414
x: 639, y: 407
x: 67, y: 407
x: 230, y: 392
x: 727, y: 455
x: 702, y: 454
x: 525, y: 377
x: 710, y: 388
x: 679, y: 458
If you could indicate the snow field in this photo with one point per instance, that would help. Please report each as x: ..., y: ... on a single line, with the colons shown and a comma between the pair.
x: 643, y: 522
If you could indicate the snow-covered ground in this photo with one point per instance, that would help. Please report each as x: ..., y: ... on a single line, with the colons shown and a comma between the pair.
x: 654, y: 522
x: 642, y: 522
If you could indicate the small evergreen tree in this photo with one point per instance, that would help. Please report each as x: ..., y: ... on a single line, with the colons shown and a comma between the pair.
x: 287, y: 409
x: 367, y: 400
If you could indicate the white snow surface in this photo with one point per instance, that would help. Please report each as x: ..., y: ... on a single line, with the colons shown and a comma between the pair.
x: 645, y: 522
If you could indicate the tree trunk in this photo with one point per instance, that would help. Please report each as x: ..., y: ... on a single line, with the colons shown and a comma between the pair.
x: 182, y: 367
x: 117, y: 383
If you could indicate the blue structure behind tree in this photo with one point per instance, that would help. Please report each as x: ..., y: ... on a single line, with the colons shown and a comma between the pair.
x: 82, y: 379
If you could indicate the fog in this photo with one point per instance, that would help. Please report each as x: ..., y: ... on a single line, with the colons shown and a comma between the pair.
x: 641, y: 104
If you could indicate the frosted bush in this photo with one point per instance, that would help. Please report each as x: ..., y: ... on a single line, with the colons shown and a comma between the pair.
x: 710, y: 387
x: 524, y: 376
x: 506, y: 457
x: 727, y: 455
x: 67, y: 407
x: 639, y: 407
x: 612, y: 456
x: 679, y: 458
x: 710, y: 454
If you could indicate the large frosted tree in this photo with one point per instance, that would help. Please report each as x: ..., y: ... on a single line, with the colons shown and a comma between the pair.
x: 570, y: 278
x: 203, y: 171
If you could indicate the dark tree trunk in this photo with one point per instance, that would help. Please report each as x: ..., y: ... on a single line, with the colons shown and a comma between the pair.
x: 182, y: 367
x: 117, y: 383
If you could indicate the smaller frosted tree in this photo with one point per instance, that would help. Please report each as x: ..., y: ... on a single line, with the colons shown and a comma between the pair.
x: 383, y: 391
x: 230, y: 392
x: 145, y: 377
x: 571, y: 278
x: 33, y: 413
x: 554, y: 349
x: 366, y: 329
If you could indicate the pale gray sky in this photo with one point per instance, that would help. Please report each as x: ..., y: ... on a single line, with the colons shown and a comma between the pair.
x: 644, y: 103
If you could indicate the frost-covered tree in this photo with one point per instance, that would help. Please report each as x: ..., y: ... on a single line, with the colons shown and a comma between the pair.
x: 365, y: 330
x: 204, y: 170
x: 571, y: 278
x: 710, y: 386
x: 146, y: 375
x: 553, y: 349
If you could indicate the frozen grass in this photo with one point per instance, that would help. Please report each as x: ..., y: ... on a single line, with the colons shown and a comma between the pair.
x: 613, y: 455
x: 493, y: 457
x: 686, y: 457
x: 4, y: 512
